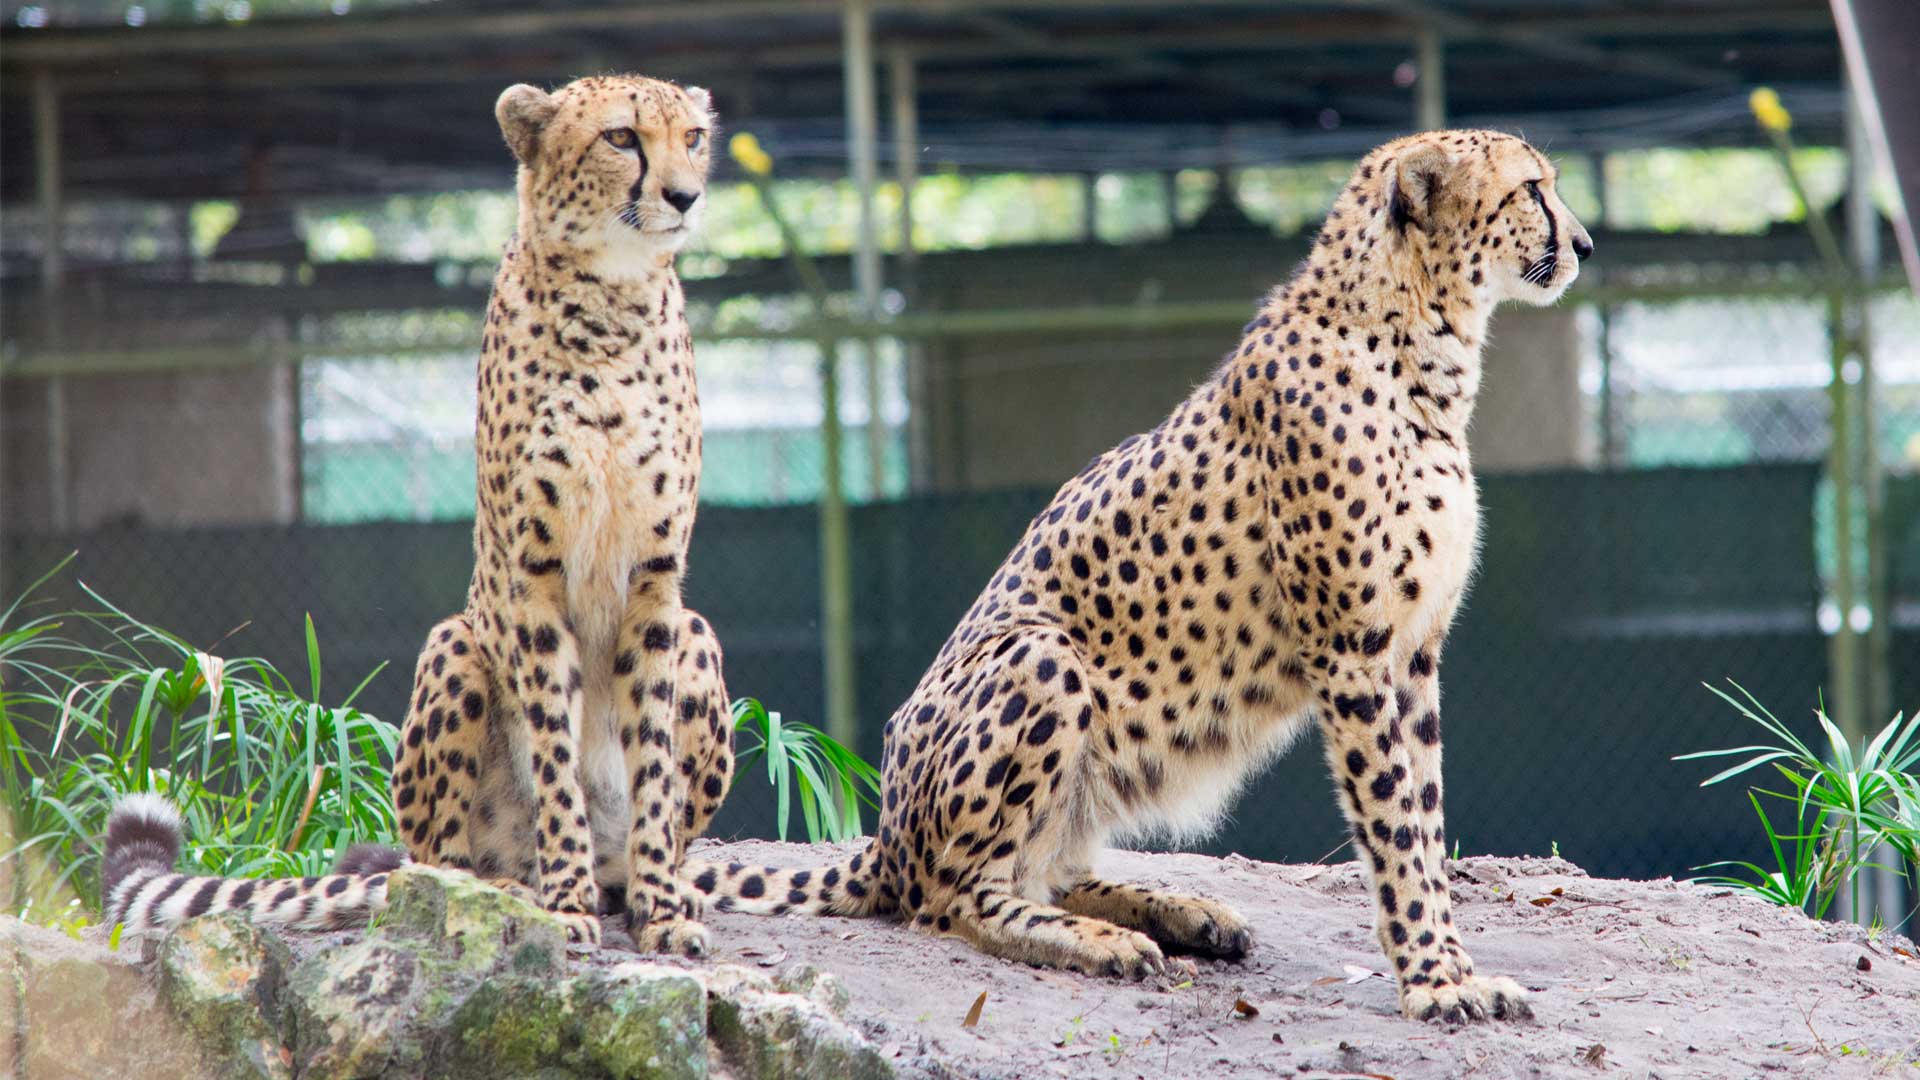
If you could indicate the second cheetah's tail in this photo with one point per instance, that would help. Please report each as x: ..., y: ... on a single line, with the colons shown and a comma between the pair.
x: 848, y: 887
x: 140, y: 888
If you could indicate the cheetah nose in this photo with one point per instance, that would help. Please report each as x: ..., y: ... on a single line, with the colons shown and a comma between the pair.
x: 682, y: 200
x: 1582, y: 246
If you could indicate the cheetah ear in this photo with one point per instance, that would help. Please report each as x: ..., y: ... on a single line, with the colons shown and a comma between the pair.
x: 1419, y: 176
x: 523, y: 112
x: 701, y: 100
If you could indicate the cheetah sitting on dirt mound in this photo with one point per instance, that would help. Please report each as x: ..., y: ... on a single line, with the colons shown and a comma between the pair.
x: 568, y: 733
x: 1290, y: 545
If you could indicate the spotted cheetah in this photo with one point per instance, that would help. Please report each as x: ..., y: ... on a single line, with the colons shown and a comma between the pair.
x: 1291, y: 544
x: 568, y: 733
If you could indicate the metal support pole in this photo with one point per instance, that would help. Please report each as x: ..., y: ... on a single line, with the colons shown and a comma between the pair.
x: 1611, y: 450
x: 905, y: 116
x: 906, y: 143
x: 863, y: 162
x: 836, y: 561
x: 1430, y: 87
x: 836, y: 577
x: 47, y: 188
x: 1863, y: 250
x: 1843, y: 652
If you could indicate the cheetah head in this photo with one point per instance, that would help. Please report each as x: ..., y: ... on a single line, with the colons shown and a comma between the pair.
x: 614, y: 168
x: 1488, y: 200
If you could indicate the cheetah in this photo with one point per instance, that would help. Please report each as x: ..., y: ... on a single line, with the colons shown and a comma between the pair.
x: 567, y: 732
x: 1290, y: 545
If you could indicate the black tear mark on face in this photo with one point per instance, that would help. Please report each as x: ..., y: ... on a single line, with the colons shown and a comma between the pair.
x: 640, y: 156
x: 1553, y: 227
x: 1542, y: 270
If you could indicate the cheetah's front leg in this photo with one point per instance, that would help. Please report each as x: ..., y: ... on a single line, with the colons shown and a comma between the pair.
x: 1419, y: 702
x: 645, y: 692
x: 1373, y: 764
x: 545, y: 664
x: 1189, y: 923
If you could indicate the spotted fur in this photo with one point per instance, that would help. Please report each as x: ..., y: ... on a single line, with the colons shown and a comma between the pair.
x: 568, y: 734
x: 1287, y: 548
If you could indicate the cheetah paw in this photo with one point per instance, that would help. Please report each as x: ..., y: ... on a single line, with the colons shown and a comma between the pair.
x: 1202, y: 926
x: 682, y: 936
x: 693, y: 902
x: 583, y: 928
x: 1475, y: 998
x: 1125, y: 954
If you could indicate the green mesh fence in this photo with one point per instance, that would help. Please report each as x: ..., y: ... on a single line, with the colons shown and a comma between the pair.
x: 1604, y: 600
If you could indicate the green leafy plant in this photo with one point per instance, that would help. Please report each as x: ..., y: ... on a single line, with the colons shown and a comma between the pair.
x: 95, y: 704
x: 830, y: 781
x: 1836, y: 812
x: 269, y: 779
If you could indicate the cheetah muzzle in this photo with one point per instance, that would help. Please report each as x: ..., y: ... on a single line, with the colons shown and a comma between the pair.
x: 1288, y: 548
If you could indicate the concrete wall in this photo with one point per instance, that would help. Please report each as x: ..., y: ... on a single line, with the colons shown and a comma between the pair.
x: 1531, y: 414
x: 1030, y: 411
x: 178, y: 448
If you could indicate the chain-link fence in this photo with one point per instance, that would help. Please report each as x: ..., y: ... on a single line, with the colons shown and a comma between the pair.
x: 249, y: 441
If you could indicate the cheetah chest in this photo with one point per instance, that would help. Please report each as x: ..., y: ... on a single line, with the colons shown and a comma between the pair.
x: 630, y: 490
x: 1440, y: 560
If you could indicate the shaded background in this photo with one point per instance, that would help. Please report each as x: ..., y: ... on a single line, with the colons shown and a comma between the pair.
x: 244, y: 251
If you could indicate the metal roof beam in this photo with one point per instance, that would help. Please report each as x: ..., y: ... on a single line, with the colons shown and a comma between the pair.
x: 1558, y: 46
x: 1555, y: 35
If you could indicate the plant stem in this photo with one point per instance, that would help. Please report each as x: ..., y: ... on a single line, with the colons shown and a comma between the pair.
x: 306, y: 810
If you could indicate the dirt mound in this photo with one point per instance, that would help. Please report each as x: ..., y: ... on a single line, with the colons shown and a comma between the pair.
x: 1639, y: 978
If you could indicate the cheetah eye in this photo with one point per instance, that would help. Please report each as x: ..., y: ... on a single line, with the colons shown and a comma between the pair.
x: 623, y: 138
x: 696, y: 138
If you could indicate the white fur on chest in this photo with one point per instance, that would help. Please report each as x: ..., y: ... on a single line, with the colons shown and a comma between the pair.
x: 1445, y: 575
x: 607, y: 533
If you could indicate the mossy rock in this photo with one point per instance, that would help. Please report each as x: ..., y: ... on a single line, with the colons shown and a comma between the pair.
x: 766, y: 1034
x: 77, y: 1011
x: 224, y: 979
x: 474, y: 926
x: 633, y: 1020
x: 823, y: 988
x: 351, y: 1010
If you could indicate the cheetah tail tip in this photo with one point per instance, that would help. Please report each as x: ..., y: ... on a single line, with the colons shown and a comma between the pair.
x: 143, y: 831
x: 365, y: 860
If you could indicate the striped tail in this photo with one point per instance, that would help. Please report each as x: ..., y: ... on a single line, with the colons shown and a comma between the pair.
x: 140, y: 888
x: 848, y: 887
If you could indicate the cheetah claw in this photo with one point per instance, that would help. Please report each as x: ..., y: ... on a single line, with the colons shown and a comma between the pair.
x: 583, y: 929
x: 1472, y: 1000
x: 681, y: 936
x: 1131, y: 956
x: 1204, y: 927
x: 693, y: 902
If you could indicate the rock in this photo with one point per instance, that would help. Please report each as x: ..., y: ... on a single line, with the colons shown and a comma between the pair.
x: 75, y: 1010
x: 823, y: 988
x: 455, y: 979
x: 351, y: 1011
x: 480, y: 929
x: 632, y: 1020
x: 225, y: 979
x: 764, y: 1033
x: 461, y: 979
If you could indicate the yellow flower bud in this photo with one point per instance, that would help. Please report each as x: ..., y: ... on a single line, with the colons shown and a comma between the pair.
x: 1768, y: 110
x: 746, y: 150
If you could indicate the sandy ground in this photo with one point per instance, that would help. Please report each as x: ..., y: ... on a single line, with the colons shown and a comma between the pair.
x: 1639, y: 979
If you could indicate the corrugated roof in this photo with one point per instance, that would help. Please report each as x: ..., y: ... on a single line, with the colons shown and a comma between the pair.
x: 399, y: 97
